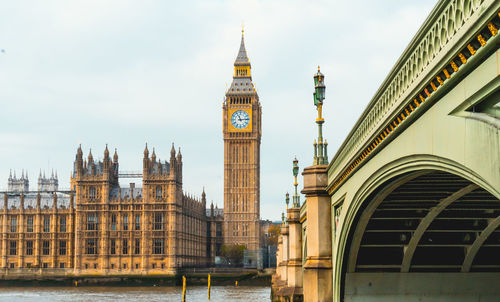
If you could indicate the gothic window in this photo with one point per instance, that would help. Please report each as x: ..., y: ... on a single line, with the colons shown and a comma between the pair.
x: 92, y: 222
x: 137, y: 222
x: 112, y: 247
x: 125, y: 247
x: 13, y: 224
x: 125, y: 222
x: 92, y: 193
x: 46, y: 224
x: 137, y: 247
x: 159, y: 192
x: 45, y: 247
x: 61, y: 265
x: 158, y: 222
x: 62, y: 224
x: 29, y: 224
x: 218, y: 229
x: 29, y: 247
x: 62, y: 247
x: 13, y: 248
x: 91, y: 246
x: 158, y: 246
x: 113, y: 222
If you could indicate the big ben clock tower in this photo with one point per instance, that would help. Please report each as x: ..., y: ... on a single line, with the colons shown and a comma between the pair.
x: 242, y: 131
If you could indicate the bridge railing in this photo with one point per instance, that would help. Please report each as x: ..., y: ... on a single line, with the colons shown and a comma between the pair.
x: 430, y: 50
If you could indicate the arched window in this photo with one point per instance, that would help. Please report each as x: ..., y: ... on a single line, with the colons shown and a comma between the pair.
x: 159, y: 192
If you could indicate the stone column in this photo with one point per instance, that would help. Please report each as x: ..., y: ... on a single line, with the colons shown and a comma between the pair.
x: 279, y: 258
x: 38, y: 231
x: 78, y: 238
x: 70, y: 228
x: 144, y: 232
x: 284, y: 254
x: 294, y: 281
x: 20, y: 231
x: 104, y: 250
x: 53, y: 234
x: 4, y: 231
x: 318, y: 278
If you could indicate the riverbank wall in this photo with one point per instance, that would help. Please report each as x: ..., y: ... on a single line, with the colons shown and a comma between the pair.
x: 193, y: 276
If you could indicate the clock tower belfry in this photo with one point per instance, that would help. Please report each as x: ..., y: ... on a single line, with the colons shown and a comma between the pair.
x: 242, y: 132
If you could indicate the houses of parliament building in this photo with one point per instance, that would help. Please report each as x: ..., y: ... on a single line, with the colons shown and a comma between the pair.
x: 98, y: 227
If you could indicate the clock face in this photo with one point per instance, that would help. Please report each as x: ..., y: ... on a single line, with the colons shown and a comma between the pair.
x: 240, y: 119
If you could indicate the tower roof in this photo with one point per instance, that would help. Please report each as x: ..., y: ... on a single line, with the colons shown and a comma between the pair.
x: 242, y: 58
x: 242, y: 78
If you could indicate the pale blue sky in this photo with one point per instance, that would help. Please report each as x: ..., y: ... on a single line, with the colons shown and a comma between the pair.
x: 130, y: 72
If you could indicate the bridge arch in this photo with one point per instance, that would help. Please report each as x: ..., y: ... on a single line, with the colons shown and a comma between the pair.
x: 453, y: 225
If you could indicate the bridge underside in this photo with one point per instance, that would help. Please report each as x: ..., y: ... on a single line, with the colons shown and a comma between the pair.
x: 421, y: 224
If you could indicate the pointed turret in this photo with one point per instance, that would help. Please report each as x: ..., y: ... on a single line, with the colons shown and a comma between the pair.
x: 145, y: 161
x: 153, y: 156
x: 115, y: 157
x: 179, y: 155
x: 172, y: 151
x: 106, y: 160
x: 90, y: 157
x: 242, y: 58
x: 106, y: 152
x: 79, y: 160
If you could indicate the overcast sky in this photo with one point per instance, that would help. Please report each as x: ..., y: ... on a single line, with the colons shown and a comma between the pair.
x: 130, y: 72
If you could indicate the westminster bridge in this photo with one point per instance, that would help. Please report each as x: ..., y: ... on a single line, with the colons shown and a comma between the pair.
x: 409, y: 206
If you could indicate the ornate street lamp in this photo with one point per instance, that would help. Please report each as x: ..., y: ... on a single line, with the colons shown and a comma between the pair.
x: 320, y: 148
x: 295, y: 170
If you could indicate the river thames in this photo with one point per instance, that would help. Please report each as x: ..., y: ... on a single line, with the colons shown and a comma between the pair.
x: 136, y: 294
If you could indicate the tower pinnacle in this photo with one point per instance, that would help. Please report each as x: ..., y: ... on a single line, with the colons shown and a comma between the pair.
x: 242, y: 57
x: 242, y: 63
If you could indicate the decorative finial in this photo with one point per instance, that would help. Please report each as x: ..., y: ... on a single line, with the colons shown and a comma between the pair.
x: 318, y: 68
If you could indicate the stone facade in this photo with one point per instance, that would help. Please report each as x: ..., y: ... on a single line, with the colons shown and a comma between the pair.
x: 100, y: 228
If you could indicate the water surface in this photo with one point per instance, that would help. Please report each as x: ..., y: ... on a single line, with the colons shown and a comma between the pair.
x: 135, y: 294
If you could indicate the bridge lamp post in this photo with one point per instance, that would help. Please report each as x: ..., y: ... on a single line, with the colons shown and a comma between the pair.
x: 320, y: 152
x: 295, y: 170
x: 287, y: 200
